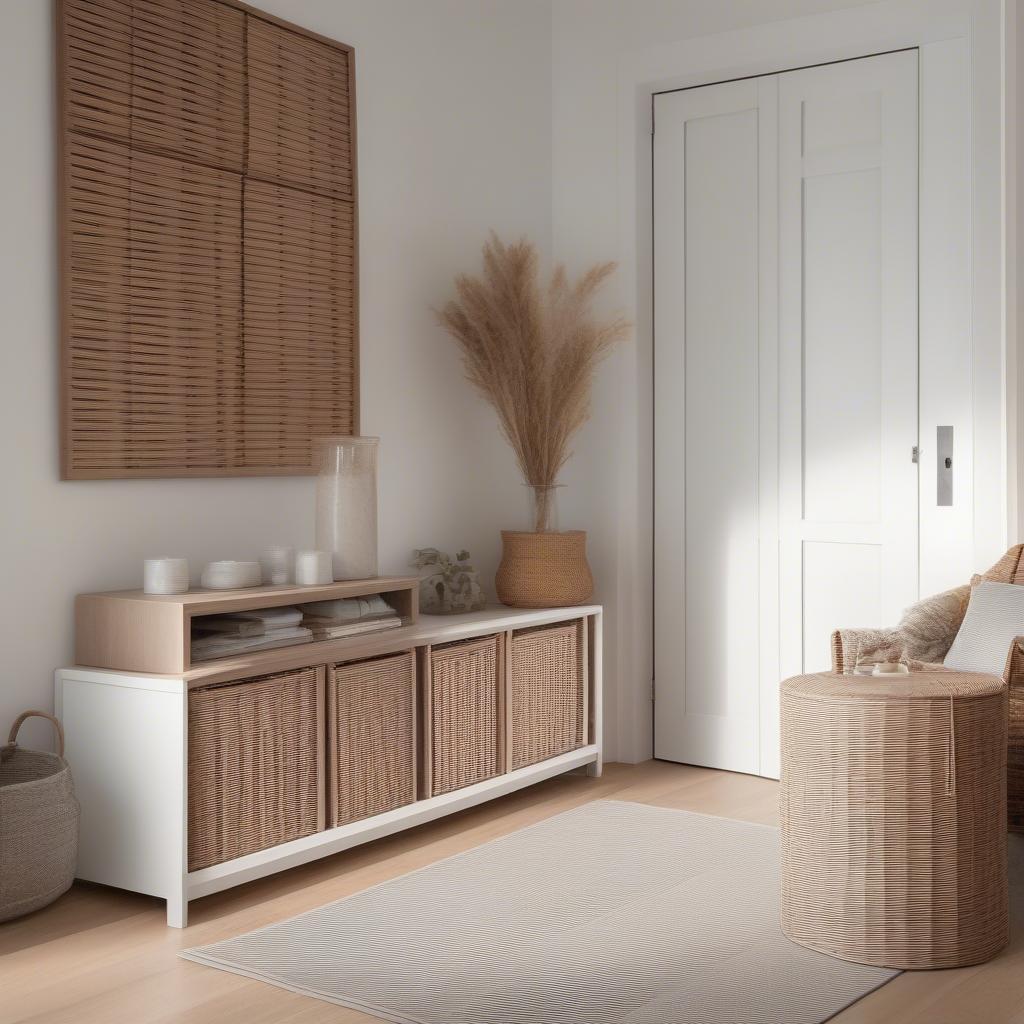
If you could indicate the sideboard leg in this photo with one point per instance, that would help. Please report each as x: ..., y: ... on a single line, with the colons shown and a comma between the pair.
x: 177, y: 910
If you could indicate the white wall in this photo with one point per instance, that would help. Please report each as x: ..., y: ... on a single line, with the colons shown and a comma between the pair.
x: 608, y: 56
x: 472, y: 114
x: 454, y: 139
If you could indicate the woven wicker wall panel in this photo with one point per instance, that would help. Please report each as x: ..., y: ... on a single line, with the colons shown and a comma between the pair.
x: 97, y: 63
x: 166, y: 76
x: 299, y: 343
x: 300, y: 125
x: 154, y: 374
x: 189, y: 348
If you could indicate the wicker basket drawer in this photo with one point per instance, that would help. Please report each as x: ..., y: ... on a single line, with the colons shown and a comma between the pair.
x: 371, y: 737
x: 547, y: 692
x: 464, y: 701
x: 255, y: 765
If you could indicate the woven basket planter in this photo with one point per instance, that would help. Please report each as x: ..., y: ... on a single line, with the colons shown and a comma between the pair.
x: 543, y: 570
x: 255, y: 765
x: 371, y: 737
x: 38, y: 824
x: 465, y: 712
x: 547, y: 706
x: 893, y: 810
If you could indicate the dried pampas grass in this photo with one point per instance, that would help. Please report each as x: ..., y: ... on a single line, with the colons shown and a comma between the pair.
x: 532, y: 353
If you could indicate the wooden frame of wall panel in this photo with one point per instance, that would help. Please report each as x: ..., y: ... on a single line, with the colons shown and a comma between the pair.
x: 236, y: 465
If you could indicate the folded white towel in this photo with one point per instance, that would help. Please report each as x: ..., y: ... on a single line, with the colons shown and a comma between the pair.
x: 272, y: 618
x: 222, y: 625
x: 337, y: 631
x: 347, y: 609
x: 224, y: 646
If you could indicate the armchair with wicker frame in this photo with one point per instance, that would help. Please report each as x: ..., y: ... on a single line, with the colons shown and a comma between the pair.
x: 923, y: 638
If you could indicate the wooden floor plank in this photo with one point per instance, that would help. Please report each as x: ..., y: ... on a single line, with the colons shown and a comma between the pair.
x: 100, y: 956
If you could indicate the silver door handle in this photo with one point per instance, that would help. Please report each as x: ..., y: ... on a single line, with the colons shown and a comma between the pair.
x: 944, y: 466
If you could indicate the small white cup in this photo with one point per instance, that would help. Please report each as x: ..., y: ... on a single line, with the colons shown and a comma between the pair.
x: 278, y: 564
x: 313, y: 568
x: 165, y: 576
x: 891, y: 668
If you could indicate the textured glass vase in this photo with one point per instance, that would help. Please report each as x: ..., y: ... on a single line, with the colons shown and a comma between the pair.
x: 543, y: 507
x: 346, y: 504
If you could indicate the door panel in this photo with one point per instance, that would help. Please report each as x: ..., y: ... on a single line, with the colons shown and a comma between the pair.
x: 848, y: 350
x: 842, y: 360
x: 846, y: 580
x: 707, y: 521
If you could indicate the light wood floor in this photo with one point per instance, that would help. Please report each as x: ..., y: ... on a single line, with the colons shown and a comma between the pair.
x: 104, y: 956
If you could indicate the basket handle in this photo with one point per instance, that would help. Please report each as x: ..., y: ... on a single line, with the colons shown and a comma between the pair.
x: 25, y: 715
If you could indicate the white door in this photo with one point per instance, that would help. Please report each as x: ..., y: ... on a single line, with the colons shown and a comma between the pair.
x: 785, y: 389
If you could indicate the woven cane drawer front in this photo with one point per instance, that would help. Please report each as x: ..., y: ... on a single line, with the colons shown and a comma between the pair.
x: 546, y: 693
x: 255, y: 765
x: 371, y: 737
x: 465, y: 713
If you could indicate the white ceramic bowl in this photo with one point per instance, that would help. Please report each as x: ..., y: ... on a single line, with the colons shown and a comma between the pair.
x: 231, y: 575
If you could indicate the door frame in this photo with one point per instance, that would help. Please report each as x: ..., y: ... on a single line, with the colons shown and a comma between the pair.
x: 960, y: 167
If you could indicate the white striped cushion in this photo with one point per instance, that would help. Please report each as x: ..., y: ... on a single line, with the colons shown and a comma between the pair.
x: 995, y: 616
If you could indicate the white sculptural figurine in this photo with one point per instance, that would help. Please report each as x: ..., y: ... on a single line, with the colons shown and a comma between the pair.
x: 448, y: 586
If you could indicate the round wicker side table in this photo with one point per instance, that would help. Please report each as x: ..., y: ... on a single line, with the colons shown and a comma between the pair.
x: 893, y: 810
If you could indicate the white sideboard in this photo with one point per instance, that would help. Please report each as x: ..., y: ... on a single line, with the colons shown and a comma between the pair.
x: 127, y: 741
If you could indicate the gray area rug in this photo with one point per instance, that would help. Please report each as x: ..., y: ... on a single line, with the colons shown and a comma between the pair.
x: 611, y: 913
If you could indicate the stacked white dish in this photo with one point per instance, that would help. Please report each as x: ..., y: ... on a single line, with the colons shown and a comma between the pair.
x: 165, y: 576
x: 231, y: 575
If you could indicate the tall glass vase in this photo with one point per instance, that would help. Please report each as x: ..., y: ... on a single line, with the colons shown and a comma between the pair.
x: 543, y: 507
x: 346, y: 504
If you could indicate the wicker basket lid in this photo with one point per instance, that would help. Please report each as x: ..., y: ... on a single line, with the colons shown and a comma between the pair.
x: 915, y: 686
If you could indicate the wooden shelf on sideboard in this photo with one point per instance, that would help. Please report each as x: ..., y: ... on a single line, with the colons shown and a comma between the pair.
x: 136, y: 632
x: 127, y: 740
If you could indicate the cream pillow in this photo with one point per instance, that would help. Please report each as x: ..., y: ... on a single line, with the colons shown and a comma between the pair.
x: 929, y: 626
x: 995, y: 616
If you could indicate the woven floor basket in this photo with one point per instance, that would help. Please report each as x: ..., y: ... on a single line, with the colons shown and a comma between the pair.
x: 255, y: 765
x: 893, y: 808
x: 38, y: 824
x: 465, y: 703
x: 371, y: 737
x: 543, y: 570
x: 546, y: 693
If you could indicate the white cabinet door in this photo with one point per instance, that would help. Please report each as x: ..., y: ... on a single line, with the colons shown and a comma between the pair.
x: 848, y: 143
x: 714, y: 249
x: 785, y: 386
